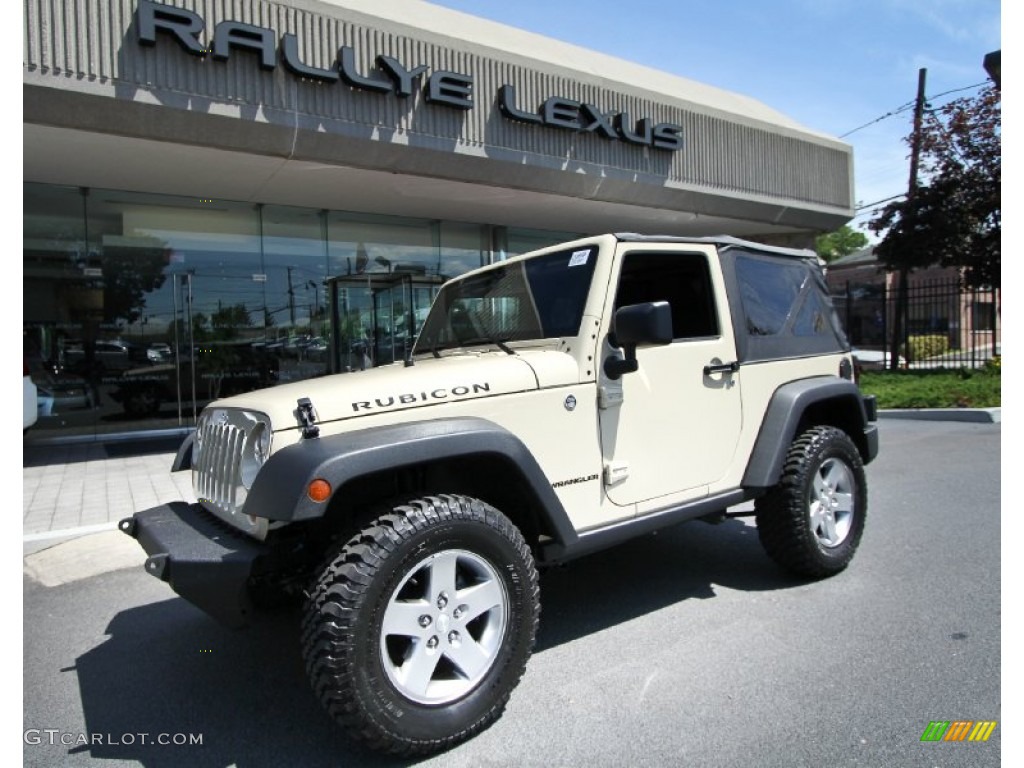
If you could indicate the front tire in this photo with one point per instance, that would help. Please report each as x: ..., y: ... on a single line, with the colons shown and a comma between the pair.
x: 420, y: 626
x: 811, y: 522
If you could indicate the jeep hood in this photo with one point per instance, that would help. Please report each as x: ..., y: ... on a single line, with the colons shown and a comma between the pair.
x: 428, y: 383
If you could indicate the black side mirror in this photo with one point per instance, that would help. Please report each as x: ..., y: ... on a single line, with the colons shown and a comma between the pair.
x: 637, y: 325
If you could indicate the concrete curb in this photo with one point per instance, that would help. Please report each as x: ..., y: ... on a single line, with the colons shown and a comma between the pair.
x: 974, y: 415
x: 83, y: 557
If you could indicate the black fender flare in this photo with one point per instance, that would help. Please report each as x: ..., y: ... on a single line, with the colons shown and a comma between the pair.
x: 279, y: 490
x: 782, y: 418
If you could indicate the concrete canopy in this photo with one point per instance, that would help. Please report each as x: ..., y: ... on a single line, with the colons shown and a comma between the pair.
x: 240, y: 120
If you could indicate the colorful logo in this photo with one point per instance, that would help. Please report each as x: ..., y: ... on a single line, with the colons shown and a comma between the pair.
x: 958, y: 730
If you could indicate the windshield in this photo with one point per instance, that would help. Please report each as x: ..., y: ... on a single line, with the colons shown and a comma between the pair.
x: 538, y: 298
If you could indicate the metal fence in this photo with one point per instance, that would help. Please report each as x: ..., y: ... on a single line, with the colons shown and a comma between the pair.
x: 944, y: 324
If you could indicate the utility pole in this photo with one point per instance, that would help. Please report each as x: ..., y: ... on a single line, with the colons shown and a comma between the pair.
x: 900, y: 319
x: 291, y: 299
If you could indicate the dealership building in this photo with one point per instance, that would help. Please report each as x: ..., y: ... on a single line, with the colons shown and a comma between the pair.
x: 220, y: 196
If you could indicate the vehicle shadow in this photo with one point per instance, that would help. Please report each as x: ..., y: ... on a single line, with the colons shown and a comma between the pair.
x: 166, y: 668
x: 652, y: 572
x: 169, y: 671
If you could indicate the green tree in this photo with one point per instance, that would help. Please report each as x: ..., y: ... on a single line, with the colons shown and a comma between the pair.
x: 129, y: 274
x: 227, y: 320
x: 179, y: 329
x: 842, y: 242
x: 953, y: 218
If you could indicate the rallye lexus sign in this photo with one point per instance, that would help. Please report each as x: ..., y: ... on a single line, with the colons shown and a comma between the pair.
x: 440, y: 87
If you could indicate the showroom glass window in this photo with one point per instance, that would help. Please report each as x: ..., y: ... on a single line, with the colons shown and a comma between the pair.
x: 141, y: 308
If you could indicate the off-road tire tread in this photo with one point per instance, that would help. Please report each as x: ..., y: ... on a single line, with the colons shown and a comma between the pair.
x: 347, y: 573
x: 781, y: 514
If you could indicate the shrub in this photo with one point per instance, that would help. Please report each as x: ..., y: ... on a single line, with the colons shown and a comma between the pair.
x: 963, y: 388
x: 924, y: 346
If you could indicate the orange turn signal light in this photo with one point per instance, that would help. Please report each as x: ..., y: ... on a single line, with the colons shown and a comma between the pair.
x: 319, y: 490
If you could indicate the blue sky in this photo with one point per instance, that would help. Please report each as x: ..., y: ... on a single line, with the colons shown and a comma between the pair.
x: 832, y: 65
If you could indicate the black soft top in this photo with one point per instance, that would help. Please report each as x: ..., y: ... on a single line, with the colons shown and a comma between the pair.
x: 778, y: 298
x: 723, y: 241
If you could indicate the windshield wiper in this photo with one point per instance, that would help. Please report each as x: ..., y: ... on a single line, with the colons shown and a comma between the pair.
x: 435, y: 349
x: 475, y: 340
x: 499, y: 343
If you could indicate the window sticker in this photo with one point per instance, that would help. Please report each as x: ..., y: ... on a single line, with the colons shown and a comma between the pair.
x: 579, y: 258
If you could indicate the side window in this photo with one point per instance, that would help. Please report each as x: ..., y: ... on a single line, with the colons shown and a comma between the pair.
x: 779, y: 298
x: 681, y: 279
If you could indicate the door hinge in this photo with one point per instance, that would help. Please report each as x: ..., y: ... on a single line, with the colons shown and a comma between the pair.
x: 615, y: 472
x: 609, y: 397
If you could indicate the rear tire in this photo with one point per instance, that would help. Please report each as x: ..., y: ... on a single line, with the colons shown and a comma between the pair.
x: 420, y: 626
x: 812, y: 521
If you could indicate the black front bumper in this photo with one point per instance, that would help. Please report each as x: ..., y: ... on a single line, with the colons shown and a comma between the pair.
x: 203, y: 560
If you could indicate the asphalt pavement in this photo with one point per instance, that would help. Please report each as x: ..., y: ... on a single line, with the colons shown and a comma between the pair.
x: 688, y: 647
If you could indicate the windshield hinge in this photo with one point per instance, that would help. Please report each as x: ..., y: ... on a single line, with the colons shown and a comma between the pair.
x: 307, y: 418
x: 609, y: 397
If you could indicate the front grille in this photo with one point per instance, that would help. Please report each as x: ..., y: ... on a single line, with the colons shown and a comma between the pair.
x: 216, y: 475
x: 227, y: 438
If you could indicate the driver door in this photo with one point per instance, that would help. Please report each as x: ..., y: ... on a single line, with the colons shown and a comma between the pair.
x: 669, y: 430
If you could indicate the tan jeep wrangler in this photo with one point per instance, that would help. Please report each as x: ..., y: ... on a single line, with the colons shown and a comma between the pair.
x: 554, y: 404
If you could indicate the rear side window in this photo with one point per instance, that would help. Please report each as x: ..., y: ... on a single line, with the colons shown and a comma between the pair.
x: 780, y: 306
x: 681, y: 279
x: 781, y: 299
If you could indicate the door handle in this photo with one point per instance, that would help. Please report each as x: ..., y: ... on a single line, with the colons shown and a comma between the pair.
x: 732, y: 367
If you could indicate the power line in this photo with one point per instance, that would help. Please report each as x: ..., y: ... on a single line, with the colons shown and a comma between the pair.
x: 879, y: 202
x: 957, y: 90
x: 867, y: 213
x: 898, y: 110
x: 910, y: 105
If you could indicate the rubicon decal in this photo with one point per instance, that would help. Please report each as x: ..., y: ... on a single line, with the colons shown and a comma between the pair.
x: 410, y: 398
x: 958, y: 730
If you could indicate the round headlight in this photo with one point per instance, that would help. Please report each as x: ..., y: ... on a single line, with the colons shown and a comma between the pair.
x: 254, y: 453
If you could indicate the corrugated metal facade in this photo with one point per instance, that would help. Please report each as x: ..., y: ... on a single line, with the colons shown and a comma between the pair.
x: 92, y: 46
